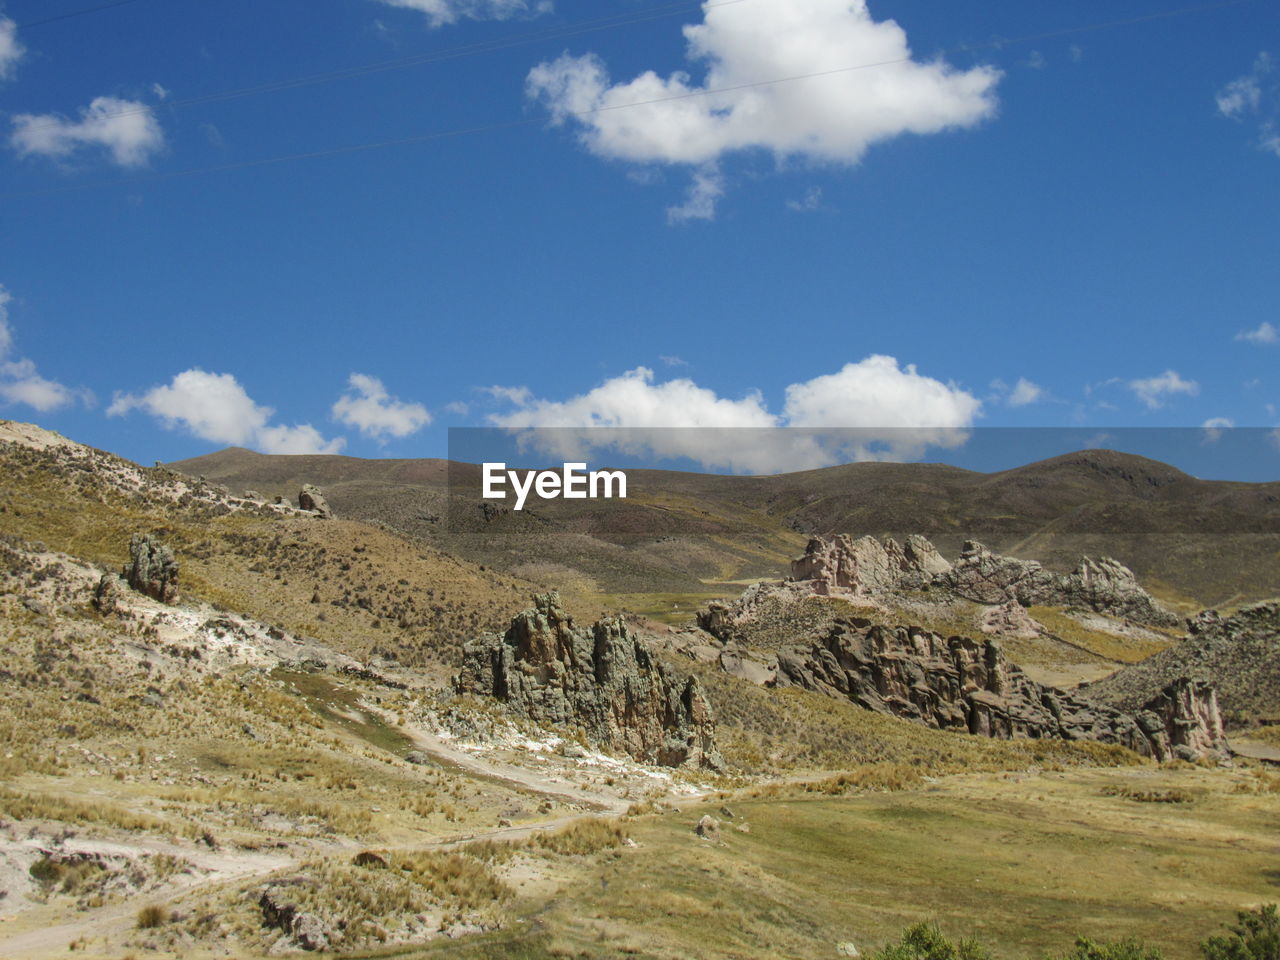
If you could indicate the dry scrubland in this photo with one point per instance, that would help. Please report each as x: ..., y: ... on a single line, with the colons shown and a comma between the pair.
x: 188, y: 781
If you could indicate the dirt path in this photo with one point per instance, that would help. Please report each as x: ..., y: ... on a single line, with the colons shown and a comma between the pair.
x: 111, y: 923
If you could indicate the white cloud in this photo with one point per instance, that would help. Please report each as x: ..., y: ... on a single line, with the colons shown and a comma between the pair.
x: 20, y: 382
x: 1265, y: 333
x: 849, y: 82
x: 812, y: 200
x: 1153, y: 391
x: 671, y: 360
x: 1025, y: 392
x: 161, y: 92
x: 1243, y: 95
x: 215, y: 407
x: 375, y: 413
x: 11, y: 51
x: 443, y: 12
x: 1214, y: 426
x: 706, y: 187
x: 874, y: 409
x: 126, y: 129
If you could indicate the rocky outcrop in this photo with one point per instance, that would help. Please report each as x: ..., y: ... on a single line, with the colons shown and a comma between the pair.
x: 966, y: 684
x: 109, y: 595
x: 151, y: 569
x: 1239, y: 655
x: 311, y: 499
x: 868, y: 567
x: 604, y: 680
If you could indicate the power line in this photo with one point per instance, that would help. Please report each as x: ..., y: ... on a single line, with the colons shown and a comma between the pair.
x: 73, y: 13
x: 381, y: 66
x: 514, y: 124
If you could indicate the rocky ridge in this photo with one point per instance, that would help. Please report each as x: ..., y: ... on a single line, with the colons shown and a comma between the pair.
x: 966, y: 684
x: 604, y: 679
x: 866, y: 570
x: 1240, y: 654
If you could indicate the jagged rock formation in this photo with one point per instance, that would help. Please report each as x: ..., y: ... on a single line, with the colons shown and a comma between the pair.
x: 966, y: 684
x: 868, y: 567
x: 603, y: 679
x: 310, y: 498
x: 1240, y: 655
x: 151, y: 568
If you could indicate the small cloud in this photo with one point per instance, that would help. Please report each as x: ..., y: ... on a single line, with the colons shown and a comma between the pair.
x: 441, y: 13
x: 700, y: 199
x: 672, y: 361
x: 1035, y: 61
x: 517, y: 396
x: 213, y: 135
x: 21, y: 383
x: 215, y: 407
x: 1265, y: 333
x: 1214, y: 426
x: 1243, y: 95
x: 11, y: 51
x: 161, y: 92
x: 375, y: 413
x: 812, y: 200
x: 1076, y: 52
x: 458, y: 408
x: 1025, y: 392
x: 1154, y: 390
x: 126, y: 129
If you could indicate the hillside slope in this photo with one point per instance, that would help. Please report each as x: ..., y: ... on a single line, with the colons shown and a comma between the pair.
x: 1196, y: 541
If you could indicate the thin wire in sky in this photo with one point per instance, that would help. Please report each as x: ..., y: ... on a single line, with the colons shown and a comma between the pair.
x: 73, y: 13
x: 595, y: 25
x: 513, y: 124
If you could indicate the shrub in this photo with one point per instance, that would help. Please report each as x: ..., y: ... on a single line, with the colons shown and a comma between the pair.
x: 151, y: 916
x: 1128, y: 949
x: 924, y: 941
x: 1256, y: 938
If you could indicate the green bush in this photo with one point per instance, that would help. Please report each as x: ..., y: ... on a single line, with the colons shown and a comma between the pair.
x: 1256, y: 938
x: 924, y: 941
x: 1128, y: 949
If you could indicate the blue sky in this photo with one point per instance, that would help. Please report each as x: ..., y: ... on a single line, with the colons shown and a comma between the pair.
x: 1076, y: 229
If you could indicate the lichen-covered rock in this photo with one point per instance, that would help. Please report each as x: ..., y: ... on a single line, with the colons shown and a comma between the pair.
x: 152, y: 568
x: 966, y: 684
x: 604, y: 680
x: 310, y: 498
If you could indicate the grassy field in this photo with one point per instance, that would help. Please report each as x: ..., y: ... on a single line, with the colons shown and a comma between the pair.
x: 1023, y: 862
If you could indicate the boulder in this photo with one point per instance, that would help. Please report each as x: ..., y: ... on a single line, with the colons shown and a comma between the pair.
x: 109, y: 596
x: 151, y: 569
x: 708, y: 828
x: 310, y: 498
x: 604, y: 680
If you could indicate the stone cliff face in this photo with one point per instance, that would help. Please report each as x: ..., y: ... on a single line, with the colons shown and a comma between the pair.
x: 966, y: 684
x: 868, y: 567
x: 603, y: 679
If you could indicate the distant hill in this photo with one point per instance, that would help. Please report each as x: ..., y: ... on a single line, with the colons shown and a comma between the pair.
x: 1198, y: 542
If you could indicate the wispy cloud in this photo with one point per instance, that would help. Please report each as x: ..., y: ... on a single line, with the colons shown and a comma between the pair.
x: 11, y: 51
x: 1264, y: 333
x: 1154, y: 391
x: 21, y: 382
x: 440, y: 13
